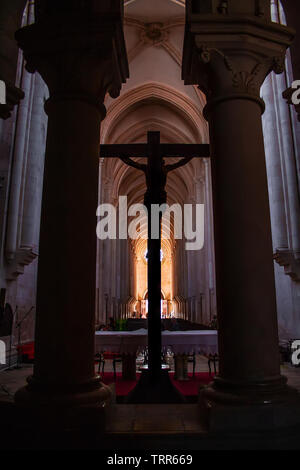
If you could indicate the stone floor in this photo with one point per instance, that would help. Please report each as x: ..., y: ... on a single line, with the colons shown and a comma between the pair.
x: 149, y: 426
x: 12, y: 380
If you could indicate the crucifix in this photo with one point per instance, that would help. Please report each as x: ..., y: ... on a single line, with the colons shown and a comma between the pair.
x: 156, y: 172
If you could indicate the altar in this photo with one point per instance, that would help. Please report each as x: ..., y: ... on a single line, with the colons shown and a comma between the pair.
x: 182, y: 344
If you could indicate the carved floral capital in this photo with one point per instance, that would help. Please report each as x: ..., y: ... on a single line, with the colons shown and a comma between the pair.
x: 230, y: 56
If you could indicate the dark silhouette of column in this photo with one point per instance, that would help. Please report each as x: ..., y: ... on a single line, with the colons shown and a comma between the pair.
x: 81, y: 56
x: 229, y: 57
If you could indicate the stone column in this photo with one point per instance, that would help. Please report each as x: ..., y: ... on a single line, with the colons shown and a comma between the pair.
x: 292, y: 12
x: 274, y: 164
x: 99, y: 270
x: 35, y: 169
x: 281, y: 157
x: 80, y: 55
x: 229, y: 57
x: 11, y: 12
x: 209, y: 243
x: 201, y: 257
x: 20, y: 153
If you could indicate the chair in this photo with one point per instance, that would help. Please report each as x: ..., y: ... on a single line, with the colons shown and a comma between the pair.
x: 100, y: 360
x: 213, y: 358
x: 116, y: 359
x: 192, y: 360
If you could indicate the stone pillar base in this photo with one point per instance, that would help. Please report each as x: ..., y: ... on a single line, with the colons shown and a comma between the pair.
x: 64, y: 407
x: 250, y: 411
x: 154, y: 390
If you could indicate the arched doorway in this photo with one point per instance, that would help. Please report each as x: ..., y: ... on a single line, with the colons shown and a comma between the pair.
x: 163, y: 308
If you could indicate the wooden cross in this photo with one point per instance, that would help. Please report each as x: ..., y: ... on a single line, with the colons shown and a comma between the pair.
x: 156, y: 177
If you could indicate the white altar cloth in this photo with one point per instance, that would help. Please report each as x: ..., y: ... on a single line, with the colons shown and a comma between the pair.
x: 180, y: 342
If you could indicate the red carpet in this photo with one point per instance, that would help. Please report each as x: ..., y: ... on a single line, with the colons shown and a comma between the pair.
x: 26, y: 351
x: 187, y: 388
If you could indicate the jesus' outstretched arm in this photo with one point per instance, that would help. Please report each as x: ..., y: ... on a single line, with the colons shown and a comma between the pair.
x: 179, y: 164
x: 134, y: 164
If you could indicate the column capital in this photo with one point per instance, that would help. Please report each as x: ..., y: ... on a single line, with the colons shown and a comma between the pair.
x: 79, y: 57
x: 230, y: 55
